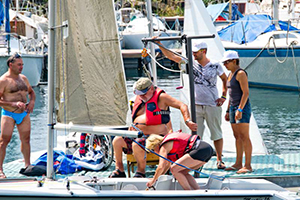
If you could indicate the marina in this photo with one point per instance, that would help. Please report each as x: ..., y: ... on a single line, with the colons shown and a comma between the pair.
x: 85, y: 87
x: 277, y: 121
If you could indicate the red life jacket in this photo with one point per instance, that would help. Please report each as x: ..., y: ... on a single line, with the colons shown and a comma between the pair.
x: 154, y: 115
x: 182, y: 142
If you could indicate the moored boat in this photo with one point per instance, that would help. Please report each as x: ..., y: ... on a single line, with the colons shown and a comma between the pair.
x: 269, y: 53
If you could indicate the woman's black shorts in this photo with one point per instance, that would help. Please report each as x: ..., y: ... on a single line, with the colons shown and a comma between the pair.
x: 201, y: 151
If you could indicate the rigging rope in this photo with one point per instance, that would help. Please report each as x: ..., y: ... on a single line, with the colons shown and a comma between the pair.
x: 220, y: 178
x: 163, y: 67
x: 171, y: 70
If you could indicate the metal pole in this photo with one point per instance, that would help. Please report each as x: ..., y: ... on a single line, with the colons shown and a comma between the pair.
x: 51, y: 65
x: 275, y: 14
x: 191, y: 80
x: 152, y: 51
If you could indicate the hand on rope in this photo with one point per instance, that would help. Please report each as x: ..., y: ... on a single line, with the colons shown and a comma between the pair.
x: 144, y: 53
x: 140, y: 132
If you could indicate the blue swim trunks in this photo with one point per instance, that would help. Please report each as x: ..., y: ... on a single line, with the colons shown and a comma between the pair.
x: 18, y: 117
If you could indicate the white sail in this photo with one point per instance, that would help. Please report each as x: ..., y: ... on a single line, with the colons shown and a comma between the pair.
x: 200, y: 24
x: 91, y: 87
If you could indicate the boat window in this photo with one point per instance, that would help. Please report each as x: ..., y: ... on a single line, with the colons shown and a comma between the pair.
x: 283, y: 35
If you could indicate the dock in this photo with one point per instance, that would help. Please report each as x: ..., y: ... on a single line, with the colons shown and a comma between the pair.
x: 283, y: 170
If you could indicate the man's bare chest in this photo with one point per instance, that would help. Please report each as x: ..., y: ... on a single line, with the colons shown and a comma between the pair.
x: 16, y: 86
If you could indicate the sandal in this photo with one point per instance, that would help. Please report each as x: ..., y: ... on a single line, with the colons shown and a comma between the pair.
x: 139, y: 175
x: 117, y: 174
x: 221, y: 165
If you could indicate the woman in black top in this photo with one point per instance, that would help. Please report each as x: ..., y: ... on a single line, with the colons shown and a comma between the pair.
x: 238, y: 112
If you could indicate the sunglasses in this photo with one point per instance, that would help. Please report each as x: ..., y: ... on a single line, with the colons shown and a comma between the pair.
x: 227, y: 61
x: 141, y: 92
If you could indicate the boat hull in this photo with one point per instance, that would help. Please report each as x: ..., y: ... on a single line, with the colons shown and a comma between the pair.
x: 132, y: 188
x: 33, y: 65
x: 264, y: 68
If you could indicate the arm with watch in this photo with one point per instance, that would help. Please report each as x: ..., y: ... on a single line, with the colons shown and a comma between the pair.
x: 192, y: 125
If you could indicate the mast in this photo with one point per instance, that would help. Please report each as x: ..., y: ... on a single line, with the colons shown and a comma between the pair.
x: 275, y: 13
x: 51, y: 65
x: 150, y: 27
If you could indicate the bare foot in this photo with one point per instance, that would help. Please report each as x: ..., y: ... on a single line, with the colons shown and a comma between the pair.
x: 244, y: 170
x: 2, y: 175
x: 233, y: 168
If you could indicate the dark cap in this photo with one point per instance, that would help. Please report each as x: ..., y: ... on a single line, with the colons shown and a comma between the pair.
x: 141, y: 86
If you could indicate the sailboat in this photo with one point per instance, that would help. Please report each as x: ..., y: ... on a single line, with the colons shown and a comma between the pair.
x: 11, y: 42
x: 81, y: 55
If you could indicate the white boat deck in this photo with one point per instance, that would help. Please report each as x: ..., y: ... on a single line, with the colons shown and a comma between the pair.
x: 283, y: 170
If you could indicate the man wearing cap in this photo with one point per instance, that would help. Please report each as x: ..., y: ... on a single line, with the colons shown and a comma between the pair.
x: 207, y: 100
x: 151, y: 115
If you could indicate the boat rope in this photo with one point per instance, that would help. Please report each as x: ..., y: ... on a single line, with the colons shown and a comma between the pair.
x: 145, y: 62
x: 256, y: 56
x: 171, y: 70
x: 275, y: 52
x: 221, y: 178
x: 290, y: 46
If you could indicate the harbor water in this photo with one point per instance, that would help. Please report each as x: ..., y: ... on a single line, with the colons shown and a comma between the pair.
x: 277, y: 114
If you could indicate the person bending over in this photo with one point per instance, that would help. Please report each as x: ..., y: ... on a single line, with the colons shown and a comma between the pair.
x: 186, y: 149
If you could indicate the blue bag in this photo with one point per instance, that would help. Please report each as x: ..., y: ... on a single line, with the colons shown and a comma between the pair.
x: 62, y: 164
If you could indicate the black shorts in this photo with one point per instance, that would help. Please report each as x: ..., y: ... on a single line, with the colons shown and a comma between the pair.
x: 201, y: 151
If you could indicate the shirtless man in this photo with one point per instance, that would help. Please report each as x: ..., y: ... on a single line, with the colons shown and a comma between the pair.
x: 151, y: 115
x: 14, y: 88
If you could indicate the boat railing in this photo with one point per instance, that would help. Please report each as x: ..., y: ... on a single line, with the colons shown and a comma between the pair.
x: 24, y: 44
x: 175, y: 25
x: 32, y: 46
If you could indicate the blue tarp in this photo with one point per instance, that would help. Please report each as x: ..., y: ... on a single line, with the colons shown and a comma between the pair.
x: 222, y: 10
x: 7, y: 24
x: 1, y: 13
x: 249, y: 27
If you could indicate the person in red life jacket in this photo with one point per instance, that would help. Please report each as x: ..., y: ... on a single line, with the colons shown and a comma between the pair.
x: 186, y: 149
x: 151, y: 115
